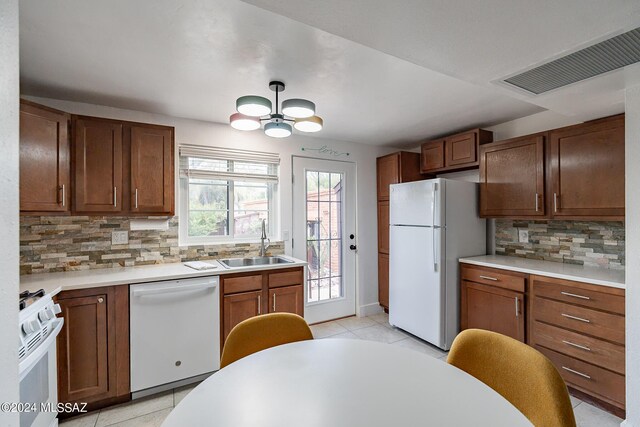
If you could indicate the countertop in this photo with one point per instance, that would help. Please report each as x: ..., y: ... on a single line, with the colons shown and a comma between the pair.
x: 593, y: 275
x: 53, y: 283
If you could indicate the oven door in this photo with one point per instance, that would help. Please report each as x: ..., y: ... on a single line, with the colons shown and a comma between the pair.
x: 38, y: 382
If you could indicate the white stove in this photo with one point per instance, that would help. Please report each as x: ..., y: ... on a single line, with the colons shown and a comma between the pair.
x: 39, y: 328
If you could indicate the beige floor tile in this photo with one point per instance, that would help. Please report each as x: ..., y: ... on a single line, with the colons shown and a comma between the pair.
x: 382, y: 318
x: 574, y: 401
x: 180, y: 392
x: 421, y: 346
x: 353, y: 323
x: 135, y: 408
x: 86, y: 420
x: 380, y: 333
x: 327, y: 329
x: 154, y: 419
x: 590, y: 416
x: 345, y: 335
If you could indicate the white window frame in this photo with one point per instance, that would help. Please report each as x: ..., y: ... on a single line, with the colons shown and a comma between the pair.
x: 273, y: 196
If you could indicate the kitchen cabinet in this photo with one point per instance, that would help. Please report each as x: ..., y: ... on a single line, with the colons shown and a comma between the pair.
x: 512, y: 182
x: 93, y: 346
x: 97, y: 153
x: 44, y: 159
x: 453, y: 153
x: 151, y: 169
x: 245, y: 295
x: 587, y: 170
x: 393, y: 168
x: 493, y: 300
x: 121, y: 168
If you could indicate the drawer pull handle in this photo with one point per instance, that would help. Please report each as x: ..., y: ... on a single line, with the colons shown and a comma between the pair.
x: 489, y: 278
x: 259, y: 305
x: 576, y: 345
x: 576, y: 372
x: 517, y: 307
x: 576, y: 318
x: 569, y: 294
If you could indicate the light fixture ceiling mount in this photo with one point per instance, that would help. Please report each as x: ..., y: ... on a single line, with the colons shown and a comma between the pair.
x: 253, y: 109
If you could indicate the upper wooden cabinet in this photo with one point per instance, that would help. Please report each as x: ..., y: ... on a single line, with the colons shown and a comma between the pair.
x: 44, y: 159
x: 122, y: 167
x: 151, y: 169
x: 97, y: 155
x: 576, y: 172
x: 394, y: 168
x: 512, y: 177
x: 587, y: 169
x: 455, y: 152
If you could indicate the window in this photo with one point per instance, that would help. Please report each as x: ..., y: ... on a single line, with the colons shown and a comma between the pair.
x: 226, y: 194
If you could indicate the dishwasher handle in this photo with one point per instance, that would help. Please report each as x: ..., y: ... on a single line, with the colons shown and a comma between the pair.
x: 173, y: 289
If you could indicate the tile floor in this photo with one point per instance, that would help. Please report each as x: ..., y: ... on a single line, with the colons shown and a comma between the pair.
x: 151, y: 411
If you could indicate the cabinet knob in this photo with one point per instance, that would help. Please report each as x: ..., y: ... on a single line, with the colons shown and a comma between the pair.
x: 100, y: 300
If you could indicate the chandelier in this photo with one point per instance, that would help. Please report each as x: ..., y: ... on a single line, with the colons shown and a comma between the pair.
x: 253, y: 110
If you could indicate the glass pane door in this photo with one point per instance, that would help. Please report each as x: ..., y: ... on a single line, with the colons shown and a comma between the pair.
x: 324, y: 224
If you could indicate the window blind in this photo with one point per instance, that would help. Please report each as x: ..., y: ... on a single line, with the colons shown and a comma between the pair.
x: 214, y: 163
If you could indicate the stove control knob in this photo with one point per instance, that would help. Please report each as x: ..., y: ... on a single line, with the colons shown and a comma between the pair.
x: 46, y: 314
x: 27, y: 328
x: 35, y: 325
x: 57, y: 309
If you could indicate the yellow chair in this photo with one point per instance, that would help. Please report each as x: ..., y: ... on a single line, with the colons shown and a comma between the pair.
x: 521, y: 374
x: 262, y: 332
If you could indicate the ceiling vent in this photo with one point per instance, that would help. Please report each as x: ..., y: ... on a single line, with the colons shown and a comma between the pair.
x: 608, y: 55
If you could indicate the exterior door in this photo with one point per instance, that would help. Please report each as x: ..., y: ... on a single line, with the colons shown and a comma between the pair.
x: 324, y: 235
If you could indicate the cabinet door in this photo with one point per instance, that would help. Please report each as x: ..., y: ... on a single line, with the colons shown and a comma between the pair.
x: 432, y: 156
x: 151, y: 170
x: 85, y: 346
x: 388, y: 173
x: 512, y: 178
x: 239, y: 307
x: 461, y: 149
x: 44, y: 159
x: 587, y: 170
x: 98, y: 165
x: 287, y: 299
x: 493, y: 309
x: 383, y: 280
x: 383, y: 227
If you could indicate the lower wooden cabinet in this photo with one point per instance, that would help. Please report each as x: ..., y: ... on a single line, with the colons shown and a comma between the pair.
x: 383, y: 280
x: 93, y: 346
x: 245, y: 295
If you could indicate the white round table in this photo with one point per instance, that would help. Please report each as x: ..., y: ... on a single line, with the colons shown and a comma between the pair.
x: 342, y: 382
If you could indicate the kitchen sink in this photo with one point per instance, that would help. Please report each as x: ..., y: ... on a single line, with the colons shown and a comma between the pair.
x: 248, y: 262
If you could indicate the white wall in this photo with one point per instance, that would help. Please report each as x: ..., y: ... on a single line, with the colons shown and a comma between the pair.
x: 632, y: 178
x: 9, y: 108
x: 222, y: 135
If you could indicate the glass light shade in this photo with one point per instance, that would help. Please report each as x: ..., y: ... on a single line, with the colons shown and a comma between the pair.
x: 298, y: 108
x: 277, y: 130
x: 242, y: 122
x: 309, y: 124
x: 254, y: 106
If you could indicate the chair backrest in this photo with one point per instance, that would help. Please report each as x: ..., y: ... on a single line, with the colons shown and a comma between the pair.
x: 262, y: 332
x: 521, y: 374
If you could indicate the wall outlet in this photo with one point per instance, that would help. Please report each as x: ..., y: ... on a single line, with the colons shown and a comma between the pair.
x: 523, y: 236
x: 285, y: 235
x: 119, y: 237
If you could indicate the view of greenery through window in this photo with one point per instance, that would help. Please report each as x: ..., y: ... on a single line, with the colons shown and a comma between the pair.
x: 217, y: 205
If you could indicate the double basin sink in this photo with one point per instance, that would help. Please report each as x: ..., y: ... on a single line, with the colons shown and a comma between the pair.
x: 248, y: 262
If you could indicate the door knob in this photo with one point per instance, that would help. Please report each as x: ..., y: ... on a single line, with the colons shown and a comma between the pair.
x: 353, y: 247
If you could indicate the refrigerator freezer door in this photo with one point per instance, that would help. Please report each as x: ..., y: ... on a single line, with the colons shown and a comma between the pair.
x: 416, y: 294
x: 417, y: 203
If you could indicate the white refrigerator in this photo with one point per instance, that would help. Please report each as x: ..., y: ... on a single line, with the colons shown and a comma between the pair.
x: 432, y: 224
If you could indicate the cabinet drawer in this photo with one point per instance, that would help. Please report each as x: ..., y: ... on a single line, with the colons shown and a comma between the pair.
x: 494, y: 277
x: 286, y: 278
x: 588, y: 349
x: 234, y: 285
x: 591, y: 322
x: 562, y: 290
x: 605, y: 384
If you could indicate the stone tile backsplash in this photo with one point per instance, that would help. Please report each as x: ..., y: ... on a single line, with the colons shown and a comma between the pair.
x: 595, y: 244
x: 64, y: 243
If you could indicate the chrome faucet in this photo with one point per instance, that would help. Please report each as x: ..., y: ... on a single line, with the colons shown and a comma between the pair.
x: 263, y: 248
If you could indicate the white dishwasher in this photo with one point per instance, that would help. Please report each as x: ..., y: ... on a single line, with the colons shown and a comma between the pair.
x: 175, y: 333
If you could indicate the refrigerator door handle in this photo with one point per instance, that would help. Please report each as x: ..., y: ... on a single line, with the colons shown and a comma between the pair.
x: 435, y: 247
x: 433, y: 205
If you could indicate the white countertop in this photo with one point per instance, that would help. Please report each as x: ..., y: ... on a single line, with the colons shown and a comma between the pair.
x: 53, y: 283
x: 593, y: 275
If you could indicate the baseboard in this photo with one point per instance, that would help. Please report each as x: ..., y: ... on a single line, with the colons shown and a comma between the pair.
x: 369, y: 310
x: 626, y: 423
